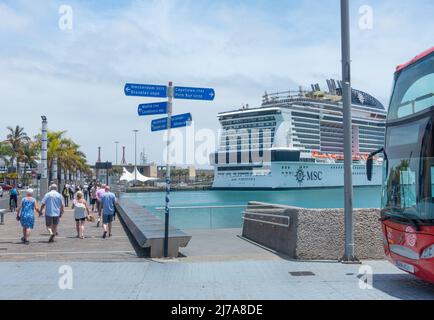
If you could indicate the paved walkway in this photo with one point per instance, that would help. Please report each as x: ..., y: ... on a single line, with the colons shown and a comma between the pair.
x: 216, y: 265
x: 259, y: 280
x: 66, y: 246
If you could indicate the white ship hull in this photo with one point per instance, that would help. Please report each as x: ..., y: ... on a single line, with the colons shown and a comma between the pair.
x: 295, y: 175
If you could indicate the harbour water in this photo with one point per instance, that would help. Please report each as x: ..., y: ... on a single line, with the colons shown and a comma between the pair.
x: 218, y: 218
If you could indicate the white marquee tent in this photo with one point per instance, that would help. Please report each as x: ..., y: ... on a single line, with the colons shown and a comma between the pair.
x: 130, y: 177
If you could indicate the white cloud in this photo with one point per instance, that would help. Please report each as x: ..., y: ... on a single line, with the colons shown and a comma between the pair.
x: 11, y: 21
x: 242, y: 50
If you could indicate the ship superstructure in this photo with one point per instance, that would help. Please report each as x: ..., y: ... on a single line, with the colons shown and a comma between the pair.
x: 295, y: 139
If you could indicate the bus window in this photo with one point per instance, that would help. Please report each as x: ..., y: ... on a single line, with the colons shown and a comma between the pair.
x: 408, y: 189
x: 401, y: 136
x: 419, y: 96
x: 414, y: 90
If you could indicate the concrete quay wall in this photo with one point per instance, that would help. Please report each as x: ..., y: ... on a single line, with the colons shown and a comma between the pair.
x: 313, y: 234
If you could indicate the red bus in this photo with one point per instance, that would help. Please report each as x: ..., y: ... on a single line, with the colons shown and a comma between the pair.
x: 407, y: 212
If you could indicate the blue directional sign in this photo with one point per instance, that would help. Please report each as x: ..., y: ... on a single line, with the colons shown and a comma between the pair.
x: 194, y: 93
x: 178, y: 121
x: 151, y: 109
x: 145, y: 90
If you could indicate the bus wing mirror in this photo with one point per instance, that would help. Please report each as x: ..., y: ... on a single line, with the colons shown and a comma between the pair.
x: 370, y: 162
x: 369, y: 167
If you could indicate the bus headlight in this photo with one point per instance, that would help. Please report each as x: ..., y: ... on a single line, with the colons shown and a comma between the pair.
x: 428, y: 253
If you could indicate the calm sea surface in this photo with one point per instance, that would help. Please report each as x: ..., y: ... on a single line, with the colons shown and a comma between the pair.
x: 200, y: 218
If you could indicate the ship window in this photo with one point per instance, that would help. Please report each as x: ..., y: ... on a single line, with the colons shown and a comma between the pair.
x: 301, y: 120
x: 305, y: 115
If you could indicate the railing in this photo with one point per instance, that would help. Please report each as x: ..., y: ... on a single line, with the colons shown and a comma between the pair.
x: 118, y: 189
x: 272, y: 216
x: 207, y: 217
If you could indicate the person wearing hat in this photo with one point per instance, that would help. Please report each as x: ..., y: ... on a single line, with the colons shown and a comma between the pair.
x: 26, y: 214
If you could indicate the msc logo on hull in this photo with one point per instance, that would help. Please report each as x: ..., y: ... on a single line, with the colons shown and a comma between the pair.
x: 302, y: 176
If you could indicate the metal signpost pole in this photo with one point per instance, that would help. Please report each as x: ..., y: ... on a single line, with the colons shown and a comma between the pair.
x: 170, y: 91
x: 347, y: 117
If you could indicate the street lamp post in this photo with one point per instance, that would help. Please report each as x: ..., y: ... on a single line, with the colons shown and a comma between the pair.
x: 117, y: 143
x: 348, y: 132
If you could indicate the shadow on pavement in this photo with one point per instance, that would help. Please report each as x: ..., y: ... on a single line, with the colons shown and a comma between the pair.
x: 403, y: 286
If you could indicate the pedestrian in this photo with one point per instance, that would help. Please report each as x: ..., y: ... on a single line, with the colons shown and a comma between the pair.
x: 65, y: 194
x: 71, y: 192
x: 53, y: 205
x: 86, y: 192
x: 99, y: 194
x: 108, y: 202
x: 13, y: 198
x: 93, y: 198
x: 89, y: 190
x: 81, y: 212
x: 26, y: 214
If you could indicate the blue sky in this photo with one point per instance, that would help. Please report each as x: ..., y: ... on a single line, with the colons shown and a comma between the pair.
x: 241, y: 48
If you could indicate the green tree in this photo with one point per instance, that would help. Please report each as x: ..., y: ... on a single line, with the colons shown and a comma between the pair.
x: 68, y: 155
x: 29, y: 155
x: 5, y: 153
x: 16, y: 138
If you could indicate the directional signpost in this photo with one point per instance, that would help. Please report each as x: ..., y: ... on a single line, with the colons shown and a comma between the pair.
x: 178, y: 121
x: 145, y: 90
x: 170, y: 92
x: 194, y: 93
x: 151, y: 109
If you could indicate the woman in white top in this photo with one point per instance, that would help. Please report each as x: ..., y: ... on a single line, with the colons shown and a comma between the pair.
x: 81, y: 212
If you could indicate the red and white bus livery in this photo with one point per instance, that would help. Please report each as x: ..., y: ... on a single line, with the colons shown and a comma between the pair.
x: 407, y: 213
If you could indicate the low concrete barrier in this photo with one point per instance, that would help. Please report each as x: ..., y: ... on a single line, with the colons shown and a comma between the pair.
x: 146, y: 231
x: 312, y: 234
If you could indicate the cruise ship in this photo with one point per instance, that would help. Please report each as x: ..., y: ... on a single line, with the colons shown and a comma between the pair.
x: 296, y: 140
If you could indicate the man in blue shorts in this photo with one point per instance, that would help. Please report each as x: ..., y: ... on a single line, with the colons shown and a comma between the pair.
x: 53, y: 205
x: 108, y: 201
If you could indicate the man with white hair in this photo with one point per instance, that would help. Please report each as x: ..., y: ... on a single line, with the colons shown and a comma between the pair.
x: 108, y: 202
x: 53, y: 205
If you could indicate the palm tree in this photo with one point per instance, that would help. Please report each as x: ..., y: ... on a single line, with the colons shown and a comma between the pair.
x: 67, y: 153
x: 16, y: 139
x: 29, y: 155
x: 5, y: 153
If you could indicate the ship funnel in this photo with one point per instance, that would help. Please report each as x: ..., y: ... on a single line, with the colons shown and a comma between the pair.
x: 329, y: 85
x: 333, y: 83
